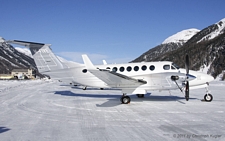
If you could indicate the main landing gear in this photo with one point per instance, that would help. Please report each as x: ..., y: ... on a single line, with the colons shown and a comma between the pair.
x: 84, y: 88
x: 125, y: 99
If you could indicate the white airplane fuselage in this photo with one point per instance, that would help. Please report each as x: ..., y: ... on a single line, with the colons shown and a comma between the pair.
x: 156, y: 74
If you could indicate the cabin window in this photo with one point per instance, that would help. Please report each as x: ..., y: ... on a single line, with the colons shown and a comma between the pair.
x: 121, y: 69
x: 136, y: 68
x: 166, y: 67
x: 152, y: 67
x: 114, y: 69
x: 129, y: 68
x: 84, y: 70
x: 144, y: 68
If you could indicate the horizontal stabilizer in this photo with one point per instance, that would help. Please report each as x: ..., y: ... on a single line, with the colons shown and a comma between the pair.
x: 26, y: 43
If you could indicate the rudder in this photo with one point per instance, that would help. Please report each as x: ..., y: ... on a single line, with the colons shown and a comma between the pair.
x: 43, y: 56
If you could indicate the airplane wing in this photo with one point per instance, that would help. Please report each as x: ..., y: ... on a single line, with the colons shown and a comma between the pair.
x: 111, y: 78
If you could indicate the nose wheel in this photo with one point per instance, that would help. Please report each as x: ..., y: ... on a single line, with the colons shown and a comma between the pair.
x: 208, y: 97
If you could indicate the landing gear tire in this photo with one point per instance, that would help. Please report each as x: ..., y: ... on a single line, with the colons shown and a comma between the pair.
x: 84, y: 88
x: 125, y: 99
x: 208, y: 97
x: 140, y: 95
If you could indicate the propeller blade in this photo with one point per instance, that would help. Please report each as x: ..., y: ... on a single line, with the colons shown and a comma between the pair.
x: 187, y: 91
x: 187, y: 64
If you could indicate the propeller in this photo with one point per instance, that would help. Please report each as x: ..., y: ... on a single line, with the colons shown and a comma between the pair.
x: 187, y: 91
x: 187, y: 73
x: 187, y: 64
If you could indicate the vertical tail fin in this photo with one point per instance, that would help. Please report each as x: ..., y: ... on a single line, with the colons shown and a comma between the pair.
x: 43, y: 56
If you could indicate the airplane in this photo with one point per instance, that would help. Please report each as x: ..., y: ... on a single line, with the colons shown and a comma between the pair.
x: 130, y: 78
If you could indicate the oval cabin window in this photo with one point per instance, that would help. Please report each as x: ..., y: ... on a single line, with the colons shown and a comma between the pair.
x: 121, y: 69
x: 144, y: 68
x: 166, y: 67
x: 84, y: 70
x: 114, y: 69
x: 129, y: 69
x: 136, y: 68
x: 152, y: 67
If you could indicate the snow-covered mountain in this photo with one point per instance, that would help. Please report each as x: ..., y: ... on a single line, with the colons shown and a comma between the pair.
x: 181, y: 37
x: 25, y: 51
x: 10, y: 58
x: 206, y: 49
x: 169, y: 44
x: 215, y: 30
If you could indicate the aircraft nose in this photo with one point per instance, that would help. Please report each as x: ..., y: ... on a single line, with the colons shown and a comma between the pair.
x: 208, y: 78
x: 190, y: 77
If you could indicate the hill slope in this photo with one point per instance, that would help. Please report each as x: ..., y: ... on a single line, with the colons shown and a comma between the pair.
x: 10, y: 58
x: 206, y: 49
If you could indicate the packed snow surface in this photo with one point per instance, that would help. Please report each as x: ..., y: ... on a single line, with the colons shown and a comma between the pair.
x: 182, y: 36
x: 39, y: 110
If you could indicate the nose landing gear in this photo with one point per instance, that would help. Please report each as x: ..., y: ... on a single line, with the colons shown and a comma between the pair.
x: 208, y: 97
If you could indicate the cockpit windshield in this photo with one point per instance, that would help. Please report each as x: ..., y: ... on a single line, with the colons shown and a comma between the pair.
x: 175, y: 66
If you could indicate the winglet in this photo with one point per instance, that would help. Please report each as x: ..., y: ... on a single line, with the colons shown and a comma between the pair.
x: 87, y: 62
x: 104, y: 62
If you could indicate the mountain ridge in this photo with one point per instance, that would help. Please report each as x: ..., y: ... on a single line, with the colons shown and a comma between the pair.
x: 203, y: 49
x: 182, y: 36
x: 10, y: 58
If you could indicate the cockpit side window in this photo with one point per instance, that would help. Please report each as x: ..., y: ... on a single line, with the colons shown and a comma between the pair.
x: 175, y: 65
x: 166, y: 67
x: 173, y: 68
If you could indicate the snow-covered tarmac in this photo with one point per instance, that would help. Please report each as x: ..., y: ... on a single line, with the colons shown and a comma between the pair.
x: 46, y: 110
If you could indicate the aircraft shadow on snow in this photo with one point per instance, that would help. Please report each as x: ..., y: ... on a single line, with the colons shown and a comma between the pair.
x: 4, y: 129
x: 113, y: 100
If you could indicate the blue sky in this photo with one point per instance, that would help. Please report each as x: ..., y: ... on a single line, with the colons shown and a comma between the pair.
x: 114, y: 30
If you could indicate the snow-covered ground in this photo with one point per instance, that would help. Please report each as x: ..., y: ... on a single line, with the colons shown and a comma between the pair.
x: 47, y: 110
